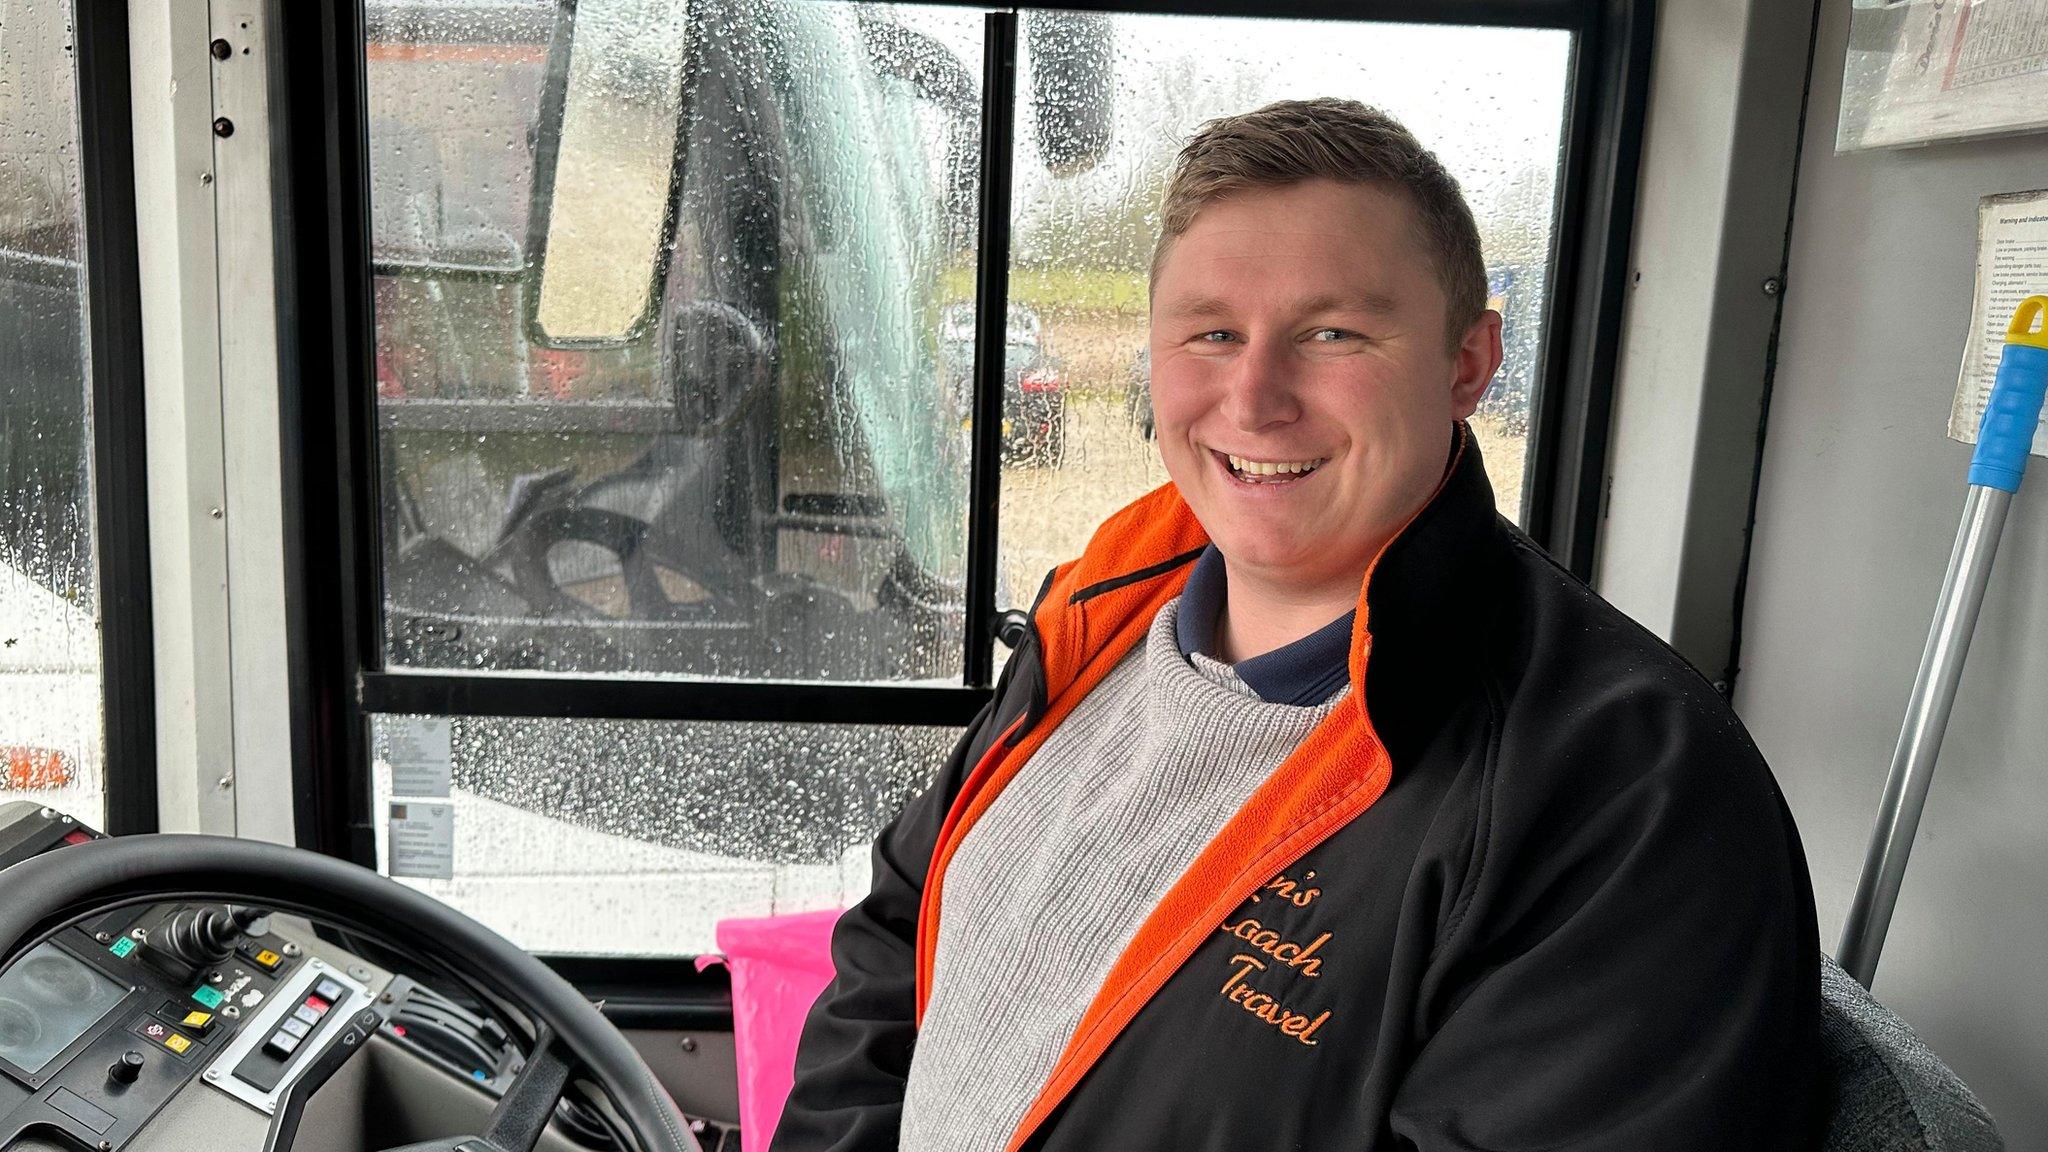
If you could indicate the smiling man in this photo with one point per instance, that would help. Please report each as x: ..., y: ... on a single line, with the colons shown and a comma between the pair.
x: 1319, y: 808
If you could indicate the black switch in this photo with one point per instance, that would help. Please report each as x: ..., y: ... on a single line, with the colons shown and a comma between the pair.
x: 126, y: 1069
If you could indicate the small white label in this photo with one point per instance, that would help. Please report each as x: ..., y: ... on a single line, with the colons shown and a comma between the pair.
x: 423, y: 840
x: 420, y: 756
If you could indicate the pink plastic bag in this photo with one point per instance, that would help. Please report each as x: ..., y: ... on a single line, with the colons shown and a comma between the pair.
x: 779, y: 966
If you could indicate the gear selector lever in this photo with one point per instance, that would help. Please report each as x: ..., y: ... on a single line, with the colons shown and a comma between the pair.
x: 197, y: 937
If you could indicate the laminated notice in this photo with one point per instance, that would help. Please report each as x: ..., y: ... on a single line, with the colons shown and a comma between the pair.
x: 2012, y: 264
x: 420, y: 756
x: 1924, y: 70
x: 422, y: 838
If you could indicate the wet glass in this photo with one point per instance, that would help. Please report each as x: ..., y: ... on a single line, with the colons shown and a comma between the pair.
x: 51, y: 729
x: 766, y: 478
x: 614, y: 156
x: 1079, y: 433
x: 634, y: 838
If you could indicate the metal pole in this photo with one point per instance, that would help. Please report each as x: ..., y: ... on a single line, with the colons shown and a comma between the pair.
x: 2005, y: 436
x: 1934, y: 695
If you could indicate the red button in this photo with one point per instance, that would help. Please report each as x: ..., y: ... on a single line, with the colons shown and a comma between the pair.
x: 76, y: 837
x: 318, y: 1005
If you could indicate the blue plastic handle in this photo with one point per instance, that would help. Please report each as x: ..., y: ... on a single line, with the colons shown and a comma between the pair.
x: 2006, y: 435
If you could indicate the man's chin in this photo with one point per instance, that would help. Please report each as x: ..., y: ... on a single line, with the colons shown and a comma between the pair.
x: 1304, y: 561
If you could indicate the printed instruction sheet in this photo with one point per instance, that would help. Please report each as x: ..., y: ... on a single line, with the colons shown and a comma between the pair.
x: 2012, y: 264
x: 421, y: 760
x: 422, y: 840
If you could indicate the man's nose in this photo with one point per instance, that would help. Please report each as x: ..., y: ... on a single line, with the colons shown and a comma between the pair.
x: 1260, y: 388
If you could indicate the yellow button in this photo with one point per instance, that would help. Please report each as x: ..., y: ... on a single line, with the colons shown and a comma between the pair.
x: 268, y: 959
x: 196, y: 1019
x: 177, y: 1043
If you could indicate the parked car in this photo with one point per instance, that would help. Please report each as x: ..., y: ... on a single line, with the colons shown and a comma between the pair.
x: 1034, y: 383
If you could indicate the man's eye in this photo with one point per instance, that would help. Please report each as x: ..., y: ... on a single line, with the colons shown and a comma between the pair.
x: 1331, y: 335
x: 1214, y: 337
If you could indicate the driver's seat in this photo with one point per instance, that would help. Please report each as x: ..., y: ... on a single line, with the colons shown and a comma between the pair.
x: 1891, y: 1092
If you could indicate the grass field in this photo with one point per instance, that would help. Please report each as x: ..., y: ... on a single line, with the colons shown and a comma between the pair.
x: 1055, y: 290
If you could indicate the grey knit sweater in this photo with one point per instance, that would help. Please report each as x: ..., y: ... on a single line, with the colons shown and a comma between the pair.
x: 1142, y: 774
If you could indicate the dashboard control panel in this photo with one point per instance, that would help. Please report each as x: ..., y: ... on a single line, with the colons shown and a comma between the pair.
x: 107, y: 1020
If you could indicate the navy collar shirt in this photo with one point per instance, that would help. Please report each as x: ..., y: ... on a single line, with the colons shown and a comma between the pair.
x: 1306, y: 672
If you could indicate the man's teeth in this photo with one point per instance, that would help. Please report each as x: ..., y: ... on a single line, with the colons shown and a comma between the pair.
x: 1246, y: 467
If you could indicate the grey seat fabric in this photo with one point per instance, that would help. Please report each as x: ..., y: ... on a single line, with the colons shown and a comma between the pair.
x: 1892, y: 1094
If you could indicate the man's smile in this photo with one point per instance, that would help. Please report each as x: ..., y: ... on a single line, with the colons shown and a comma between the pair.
x: 1267, y: 473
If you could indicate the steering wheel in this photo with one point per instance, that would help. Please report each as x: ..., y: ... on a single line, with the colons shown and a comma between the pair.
x: 45, y: 893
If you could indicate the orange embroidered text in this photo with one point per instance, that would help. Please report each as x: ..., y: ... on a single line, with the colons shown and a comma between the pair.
x: 1298, y: 1025
x: 1300, y: 957
x: 1295, y: 892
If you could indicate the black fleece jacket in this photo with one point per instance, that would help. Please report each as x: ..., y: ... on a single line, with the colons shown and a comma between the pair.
x: 1532, y: 887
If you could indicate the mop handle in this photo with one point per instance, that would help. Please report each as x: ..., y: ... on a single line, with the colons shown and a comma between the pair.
x: 2005, y: 436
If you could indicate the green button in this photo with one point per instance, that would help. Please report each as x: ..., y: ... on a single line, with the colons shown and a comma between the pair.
x: 122, y: 947
x: 210, y: 997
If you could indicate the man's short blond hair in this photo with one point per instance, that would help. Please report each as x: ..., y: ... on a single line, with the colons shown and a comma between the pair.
x: 1295, y: 140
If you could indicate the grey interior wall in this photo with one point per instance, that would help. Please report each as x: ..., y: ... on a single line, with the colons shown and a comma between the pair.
x: 1859, y: 498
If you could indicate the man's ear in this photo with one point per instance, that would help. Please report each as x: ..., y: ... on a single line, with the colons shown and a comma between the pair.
x: 1478, y: 358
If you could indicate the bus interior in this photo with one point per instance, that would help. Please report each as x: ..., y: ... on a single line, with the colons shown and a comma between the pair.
x: 501, y: 500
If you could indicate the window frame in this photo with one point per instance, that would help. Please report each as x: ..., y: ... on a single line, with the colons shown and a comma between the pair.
x: 333, y: 510
x: 116, y: 440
